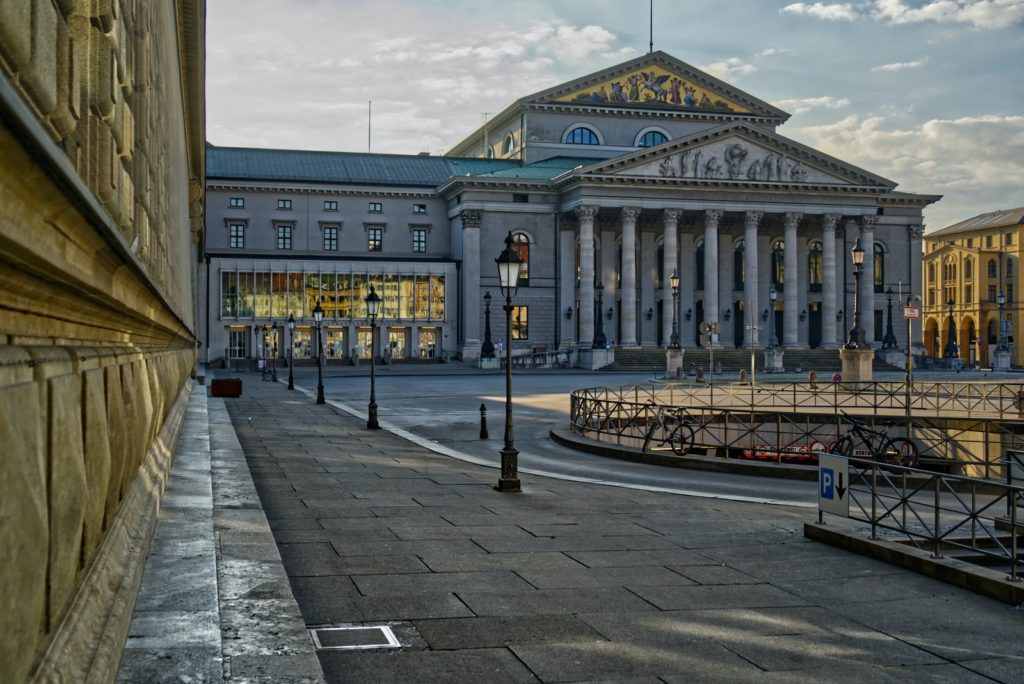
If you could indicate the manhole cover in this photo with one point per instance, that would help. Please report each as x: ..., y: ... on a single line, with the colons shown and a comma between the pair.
x: 355, y: 637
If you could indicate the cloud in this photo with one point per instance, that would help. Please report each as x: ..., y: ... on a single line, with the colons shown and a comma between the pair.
x: 806, y: 104
x: 982, y: 14
x: 973, y: 161
x: 772, y: 52
x: 819, y: 10
x: 729, y: 69
x: 901, y: 66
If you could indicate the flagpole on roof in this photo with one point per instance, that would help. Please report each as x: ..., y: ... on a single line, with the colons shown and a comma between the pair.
x: 369, y: 126
x: 651, y: 13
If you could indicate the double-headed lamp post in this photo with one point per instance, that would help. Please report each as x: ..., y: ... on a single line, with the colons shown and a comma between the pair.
x: 487, y: 350
x: 508, y: 277
x: 273, y: 361
x: 318, y: 316
x: 291, y: 351
x: 673, y: 280
x: 855, y: 340
x: 773, y: 339
x: 951, y: 352
x: 372, y: 309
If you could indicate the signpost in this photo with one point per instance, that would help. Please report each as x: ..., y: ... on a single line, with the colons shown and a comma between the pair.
x: 833, y: 485
x: 911, y: 312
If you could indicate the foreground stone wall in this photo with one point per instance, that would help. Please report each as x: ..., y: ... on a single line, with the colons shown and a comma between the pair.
x: 101, y: 142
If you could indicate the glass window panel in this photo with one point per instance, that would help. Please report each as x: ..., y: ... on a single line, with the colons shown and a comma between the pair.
x: 360, y: 288
x: 422, y: 297
x: 377, y: 281
x: 312, y: 291
x: 279, y: 295
x: 345, y: 295
x: 229, y: 294
x: 262, y: 295
x: 407, y: 297
x: 245, y: 295
x: 520, y: 323
x: 390, y: 295
x: 329, y: 294
x: 437, y: 297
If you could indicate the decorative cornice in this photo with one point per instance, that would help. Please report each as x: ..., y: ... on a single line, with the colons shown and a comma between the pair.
x: 915, y: 232
x: 719, y: 183
x: 277, y: 188
x: 868, y: 223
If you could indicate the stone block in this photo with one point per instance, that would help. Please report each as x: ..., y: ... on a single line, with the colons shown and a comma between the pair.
x: 40, y: 75
x: 67, y: 501
x: 24, y: 534
x: 117, y: 433
x: 103, y: 74
x: 16, y: 31
x: 96, y: 442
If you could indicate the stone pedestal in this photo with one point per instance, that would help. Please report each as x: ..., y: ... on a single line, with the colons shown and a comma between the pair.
x: 894, y: 357
x: 592, y: 359
x: 673, y: 363
x: 471, y: 350
x: 773, y: 359
x: 856, y: 364
x: 495, y: 362
x: 1001, y: 359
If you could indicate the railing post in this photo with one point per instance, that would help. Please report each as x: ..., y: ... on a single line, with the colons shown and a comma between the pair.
x: 936, y: 553
x: 483, y: 421
x: 1012, y: 496
x: 874, y: 501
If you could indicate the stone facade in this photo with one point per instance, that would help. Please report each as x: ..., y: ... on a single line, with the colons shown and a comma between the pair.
x: 101, y: 192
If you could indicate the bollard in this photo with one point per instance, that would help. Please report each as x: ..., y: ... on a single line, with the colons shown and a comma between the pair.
x: 483, y: 421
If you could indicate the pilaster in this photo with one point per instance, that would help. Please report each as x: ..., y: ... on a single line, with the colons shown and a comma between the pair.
x: 791, y: 291
x: 628, y: 297
x: 751, y: 309
x: 585, y: 216
x: 829, y: 281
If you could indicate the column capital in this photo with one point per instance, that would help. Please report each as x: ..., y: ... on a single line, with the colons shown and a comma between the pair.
x: 585, y: 213
x: 915, y: 232
x: 671, y: 217
x: 630, y: 213
x: 829, y: 221
x: 792, y: 219
x: 712, y: 217
x: 752, y: 218
x: 471, y: 218
x: 868, y: 223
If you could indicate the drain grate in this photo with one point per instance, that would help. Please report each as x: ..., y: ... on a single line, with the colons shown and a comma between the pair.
x: 355, y: 637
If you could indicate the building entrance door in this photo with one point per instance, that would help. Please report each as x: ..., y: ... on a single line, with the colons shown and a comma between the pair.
x: 700, y: 319
x: 737, y: 324
x: 814, y: 325
x: 364, y: 343
x: 428, y: 343
x: 660, y: 339
x: 334, y: 343
x: 398, y: 343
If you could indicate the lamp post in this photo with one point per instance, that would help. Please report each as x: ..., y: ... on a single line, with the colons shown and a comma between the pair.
x: 889, y: 341
x: 508, y: 276
x: 950, y: 351
x: 372, y: 309
x: 318, y: 316
x: 291, y: 351
x: 773, y: 296
x: 273, y: 360
x: 599, y: 338
x: 1002, y: 346
x: 855, y: 339
x: 487, y: 350
x: 674, y: 281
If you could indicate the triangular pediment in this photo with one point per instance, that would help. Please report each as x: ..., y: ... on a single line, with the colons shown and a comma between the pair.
x: 658, y: 81
x: 738, y: 152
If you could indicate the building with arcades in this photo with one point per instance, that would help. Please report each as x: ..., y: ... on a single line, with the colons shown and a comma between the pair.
x: 610, y: 181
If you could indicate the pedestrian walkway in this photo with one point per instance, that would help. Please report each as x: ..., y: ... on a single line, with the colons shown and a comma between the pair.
x: 580, y: 582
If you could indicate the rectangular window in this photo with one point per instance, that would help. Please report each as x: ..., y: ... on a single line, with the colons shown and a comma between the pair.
x: 520, y: 323
x: 969, y: 294
x: 228, y: 294
x: 419, y: 208
x: 520, y: 198
x: 992, y: 293
x: 1009, y: 238
x: 236, y: 202
x: 238, y: 344
x: 970, y: 242
x: 988, y: 240
x: 284, y: 204
x: 437, y: 297
x: 330, y: 239
x: 236, y: 235
x: 284, y: 237
x: 246, y: 300
x: 375, y: 207
x: 262, y: 292
x: 374, y: 239
x: 419, y: 240
x: 330, y: 205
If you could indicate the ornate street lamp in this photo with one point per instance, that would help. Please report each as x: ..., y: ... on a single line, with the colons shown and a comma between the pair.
x: 318, y: 316
x: 273, y: 360
x: 508, y: 276
x: 855, y: 340
x: 950, y: 351
x: 372, y: 309
x: 773, y: 296
x: 487, y: 350
x: 1002, y: 346
x: 889, y: 341
x: 599, y: 339
x: 291, y: 351
x: 674, y: 281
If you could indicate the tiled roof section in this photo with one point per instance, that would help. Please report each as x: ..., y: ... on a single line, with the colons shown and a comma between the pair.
x: 543, y: 170
x: 993, y: 219
x: 304, y: 166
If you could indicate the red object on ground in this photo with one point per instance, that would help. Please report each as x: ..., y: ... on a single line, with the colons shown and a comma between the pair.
x: 226, y: 387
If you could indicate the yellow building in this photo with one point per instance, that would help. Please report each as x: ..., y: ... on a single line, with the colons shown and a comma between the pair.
x: 969, y: 269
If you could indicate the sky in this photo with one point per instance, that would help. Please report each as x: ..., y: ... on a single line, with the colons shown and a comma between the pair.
x: 927, y: 93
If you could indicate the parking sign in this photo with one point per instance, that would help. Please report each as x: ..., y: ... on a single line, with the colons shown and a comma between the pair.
x: 833, y: 485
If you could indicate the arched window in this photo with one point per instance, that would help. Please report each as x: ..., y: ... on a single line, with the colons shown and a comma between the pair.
x: 879, y: 268
x: 521, y: 244
x: 509, y: 145
x: 582, y: 136
x: 699, y: 265
x: 652, y: 139
x: 991, y: 268
x: 739, y: 266
x: 778, y: 264
x: 814, y: 266
x: 968, y: 268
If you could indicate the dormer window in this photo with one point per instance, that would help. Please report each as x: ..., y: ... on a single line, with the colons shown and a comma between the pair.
x: 509, y: 145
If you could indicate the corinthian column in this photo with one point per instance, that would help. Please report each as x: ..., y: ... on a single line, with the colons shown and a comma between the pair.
x: 711, y: 304
x: 671, y: 218
x: 828, y: 281
x: 867, y: 279
x: 471, y: 221
x: 585, y: 216
x: 750, y: 315
x: 628, y: 297
x: 791, y: 293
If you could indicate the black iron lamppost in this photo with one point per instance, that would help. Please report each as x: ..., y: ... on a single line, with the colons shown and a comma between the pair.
x: 855, y: 340
x: 291, y: 351
x: 372, y: 309
x: 318, y: 316
x: 773, y: 296
x: 889, y: 341
x: 950, y: 351
x: 273, y: 361
x: 487, y: 350
x: 599, y: 338
x: 1002, y: 346
x: 508, y: 275
x: 673, y: 280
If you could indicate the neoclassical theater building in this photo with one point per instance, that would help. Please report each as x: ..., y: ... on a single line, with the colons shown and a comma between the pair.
x: 608, y: 184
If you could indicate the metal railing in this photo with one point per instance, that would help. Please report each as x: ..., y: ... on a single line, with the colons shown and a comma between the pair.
x: 565, y: 358
x: 939, y: 513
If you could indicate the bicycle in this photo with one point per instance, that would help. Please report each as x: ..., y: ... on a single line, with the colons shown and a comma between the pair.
x: 676, y: 433
x: 268, y: 375
x: 898, y: 451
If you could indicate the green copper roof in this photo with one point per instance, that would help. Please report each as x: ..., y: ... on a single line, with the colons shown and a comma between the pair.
x: 542, y: 170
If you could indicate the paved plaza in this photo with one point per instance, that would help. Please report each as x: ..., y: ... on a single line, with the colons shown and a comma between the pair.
x: 564, y: 582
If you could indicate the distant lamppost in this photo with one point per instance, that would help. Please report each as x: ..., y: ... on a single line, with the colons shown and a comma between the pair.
x: 291, y: 351
x: 950, y: 351
x: 1002, y: 346
x: 487, y: 350
x: 599, y: 339
x: 889, y: 341
x: 674, y: 281
x: 273, y: 362
x: 855, y: 340
x: 508, y: 276
x: 372, y: 309
x: 773, y: 296
x: 318, y: 316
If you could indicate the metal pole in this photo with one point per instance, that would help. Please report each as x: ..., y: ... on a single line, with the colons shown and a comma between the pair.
x: 371, y: 413
x: 509, y: 481
x: 291, y: 362
x: 319, y: 365
x: 935, y: 531
x: 273, y: 361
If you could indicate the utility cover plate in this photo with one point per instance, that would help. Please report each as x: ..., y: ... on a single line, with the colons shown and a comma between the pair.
x: 355, y: 637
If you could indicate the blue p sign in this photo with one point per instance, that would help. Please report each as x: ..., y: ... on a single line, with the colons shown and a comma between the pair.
x: 826, y: 480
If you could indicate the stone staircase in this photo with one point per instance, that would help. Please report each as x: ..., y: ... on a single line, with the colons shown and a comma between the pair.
x: 732, y: 361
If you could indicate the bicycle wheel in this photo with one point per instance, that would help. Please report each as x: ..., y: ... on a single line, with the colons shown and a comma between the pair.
x: 844, y: 446
x: 681, y: 439
x: 900, y: 451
